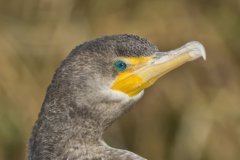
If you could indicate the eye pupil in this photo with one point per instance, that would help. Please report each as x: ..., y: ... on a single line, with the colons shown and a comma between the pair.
x: 120, y: 65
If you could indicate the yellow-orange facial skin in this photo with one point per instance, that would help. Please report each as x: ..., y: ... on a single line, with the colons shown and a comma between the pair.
x: 142, y: 72
x: 128, y: 81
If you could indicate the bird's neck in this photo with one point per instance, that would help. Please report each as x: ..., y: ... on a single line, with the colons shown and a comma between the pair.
x: 71, y: 134
x: 69, y: 126
x: 63, y: 127
x: 72, y: 120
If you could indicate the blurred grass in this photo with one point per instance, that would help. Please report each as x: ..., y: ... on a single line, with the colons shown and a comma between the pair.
x: 192, y: 113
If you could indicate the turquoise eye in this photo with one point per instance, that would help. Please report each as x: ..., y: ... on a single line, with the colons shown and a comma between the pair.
x: 120, y: 65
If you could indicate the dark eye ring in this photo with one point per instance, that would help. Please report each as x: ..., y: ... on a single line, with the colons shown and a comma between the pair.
x: 120, y: 65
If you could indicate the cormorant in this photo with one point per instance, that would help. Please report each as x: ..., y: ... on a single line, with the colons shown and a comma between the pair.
x: 96, y: 84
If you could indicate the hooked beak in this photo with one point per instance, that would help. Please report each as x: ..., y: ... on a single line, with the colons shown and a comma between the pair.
x: 135, y: 80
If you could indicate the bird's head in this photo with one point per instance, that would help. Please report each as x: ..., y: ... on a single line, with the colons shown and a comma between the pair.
x: 95, y: 84
x: 111, y: 72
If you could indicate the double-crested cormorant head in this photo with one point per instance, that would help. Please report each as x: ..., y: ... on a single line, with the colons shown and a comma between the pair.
x: 95, y: 84
x: 108, y: 74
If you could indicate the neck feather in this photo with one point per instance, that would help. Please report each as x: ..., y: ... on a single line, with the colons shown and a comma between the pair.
x: 70, y: 125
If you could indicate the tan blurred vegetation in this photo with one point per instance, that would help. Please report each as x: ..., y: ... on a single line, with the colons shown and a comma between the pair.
x: 192, y: 113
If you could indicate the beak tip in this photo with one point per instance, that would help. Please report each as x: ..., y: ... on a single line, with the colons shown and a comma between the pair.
x: 198, y: 50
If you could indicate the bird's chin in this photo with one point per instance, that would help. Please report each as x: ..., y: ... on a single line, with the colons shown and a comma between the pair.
x: 115, y: 95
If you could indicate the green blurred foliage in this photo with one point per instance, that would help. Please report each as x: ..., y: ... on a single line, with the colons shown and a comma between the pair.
x: 193, y: 113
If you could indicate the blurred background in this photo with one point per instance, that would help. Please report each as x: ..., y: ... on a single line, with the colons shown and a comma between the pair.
x: 192, y: 113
